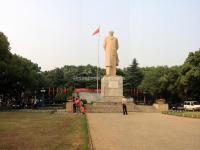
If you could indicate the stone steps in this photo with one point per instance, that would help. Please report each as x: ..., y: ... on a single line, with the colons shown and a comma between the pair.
x: 101, y: 108
x: 117, y: 108
x: 145, y: 108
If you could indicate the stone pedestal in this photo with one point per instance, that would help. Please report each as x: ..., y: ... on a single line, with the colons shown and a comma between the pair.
x: 69, y: 106
x: 161, y: 107
x: 111, y: 88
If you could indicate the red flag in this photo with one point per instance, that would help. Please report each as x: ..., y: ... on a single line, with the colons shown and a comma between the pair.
x: 96, y: 31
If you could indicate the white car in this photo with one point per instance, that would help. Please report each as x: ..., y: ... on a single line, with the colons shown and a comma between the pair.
x: 191, y: 105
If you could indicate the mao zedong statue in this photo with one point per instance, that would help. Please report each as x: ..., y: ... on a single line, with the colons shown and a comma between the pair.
x: 111, y: 56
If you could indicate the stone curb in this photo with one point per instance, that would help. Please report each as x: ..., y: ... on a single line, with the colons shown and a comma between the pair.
x: 91, y: 145
x: 52, y: 111
x: 27, y: 110
x: 182, y: 115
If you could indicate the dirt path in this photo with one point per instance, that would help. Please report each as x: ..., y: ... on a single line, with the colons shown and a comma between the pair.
x: 143, y: 131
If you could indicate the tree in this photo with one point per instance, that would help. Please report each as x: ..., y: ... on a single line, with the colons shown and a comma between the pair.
x: 82, y: 76
x: 62, y: 97
x: 161, y: 82
x: 133, y: 77
x: 17, y: 74
x: 173, y: 75
x: 150, y: 82
x: 190, y: 76
x: 4, y: 48
x: 22, y: 75
x: 4, y: 59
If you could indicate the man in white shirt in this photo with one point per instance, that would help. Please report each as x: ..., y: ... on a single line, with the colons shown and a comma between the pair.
x: 124, y: 102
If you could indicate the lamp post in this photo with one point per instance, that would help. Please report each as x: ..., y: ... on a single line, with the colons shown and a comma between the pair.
x: 35, y: 94
x: 144, y: 97
x: 17, y: 90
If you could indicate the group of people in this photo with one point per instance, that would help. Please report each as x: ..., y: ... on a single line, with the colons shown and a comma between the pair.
x: 78, y: 105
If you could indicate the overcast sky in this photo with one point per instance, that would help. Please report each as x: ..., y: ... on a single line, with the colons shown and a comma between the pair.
x: 54, y: 33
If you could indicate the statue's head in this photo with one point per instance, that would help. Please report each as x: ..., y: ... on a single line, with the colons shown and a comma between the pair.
x: 111, y: 33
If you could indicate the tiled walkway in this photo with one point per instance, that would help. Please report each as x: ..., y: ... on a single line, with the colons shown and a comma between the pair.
x: 143, y: 131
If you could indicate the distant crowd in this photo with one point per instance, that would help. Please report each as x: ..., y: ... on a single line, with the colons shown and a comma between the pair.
x: 24, y: 103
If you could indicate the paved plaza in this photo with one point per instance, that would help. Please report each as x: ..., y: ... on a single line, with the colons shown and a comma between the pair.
x: 143, y: 131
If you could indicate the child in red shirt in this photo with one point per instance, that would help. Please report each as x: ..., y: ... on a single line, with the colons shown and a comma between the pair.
x: 82, y: 109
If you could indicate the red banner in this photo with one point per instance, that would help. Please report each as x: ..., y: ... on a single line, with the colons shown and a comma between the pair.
x: 86, y: 90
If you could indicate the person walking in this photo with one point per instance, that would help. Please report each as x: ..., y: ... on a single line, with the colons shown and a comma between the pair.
x: 124, y: 102
x: 74, y: 104
x: 78, y: 104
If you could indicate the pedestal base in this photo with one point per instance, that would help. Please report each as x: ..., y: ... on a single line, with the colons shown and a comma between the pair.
x: 161, y: 107
x: 108, y: 107
x: 69, y: 107
x: 111, y: 88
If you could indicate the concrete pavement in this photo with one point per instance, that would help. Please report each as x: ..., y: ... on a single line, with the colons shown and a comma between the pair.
x: 143, y: 131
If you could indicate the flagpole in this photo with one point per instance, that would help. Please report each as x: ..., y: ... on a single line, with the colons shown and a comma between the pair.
x: 98, y: 63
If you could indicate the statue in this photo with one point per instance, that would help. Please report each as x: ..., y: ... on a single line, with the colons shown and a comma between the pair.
x: 111, y: 84
x: 111, y: 57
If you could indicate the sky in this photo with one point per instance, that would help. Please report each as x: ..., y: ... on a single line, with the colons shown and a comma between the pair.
x: 57, y: 33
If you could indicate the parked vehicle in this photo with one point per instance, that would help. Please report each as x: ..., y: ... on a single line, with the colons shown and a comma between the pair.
x: 177, y: 106
x: 16, y: 106
x: 173, y: 106
x: 191, y: 105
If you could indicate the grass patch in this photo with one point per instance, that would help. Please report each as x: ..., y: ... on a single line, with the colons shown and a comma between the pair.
x: 189, y: 114
x: 22, y: 130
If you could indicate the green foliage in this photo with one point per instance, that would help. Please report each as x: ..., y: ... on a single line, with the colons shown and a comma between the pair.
x: 4, y: 48
x: 4, y: 58
x: 161, y: 82
x: 62, y: 97
x: 21, y: 74
x: 76, y: 76
x: 133, y: 77
x: 120, y: 72
x: 190, y: 76
x: 17, y: 74
x: 69, y: 92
